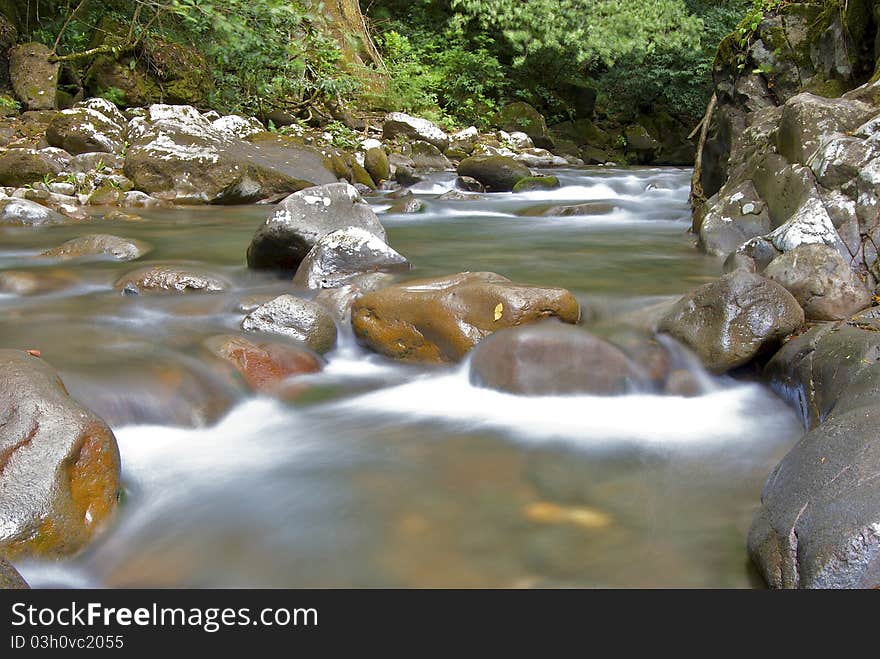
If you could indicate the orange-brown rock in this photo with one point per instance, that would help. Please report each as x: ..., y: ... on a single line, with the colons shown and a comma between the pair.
x: 59, y: 463
x: 265, y: 366
x: 441, y: 319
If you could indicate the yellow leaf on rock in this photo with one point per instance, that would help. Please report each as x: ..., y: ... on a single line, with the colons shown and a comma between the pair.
x: 499, y: 310
x: 544, y: 512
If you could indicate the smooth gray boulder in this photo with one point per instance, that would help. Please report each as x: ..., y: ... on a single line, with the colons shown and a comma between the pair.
x: 295, y: 318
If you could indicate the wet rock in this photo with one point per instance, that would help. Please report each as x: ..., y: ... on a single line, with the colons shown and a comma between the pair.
x: 338, y: 301
x: 34, y: 77
x: 59, y: 463
x: 236, y: 126
x: 286, y: 237
x: 138, y: 199
x: 729, y: 321
x: 35, y: 282
x: 406, y: 205
x: 519, y: 140
x: 85, y: 130
x: 10, y: 579
x: 441, y: 319
x: 533, y: 183
x: 540, y: 158
x: 819, y: 522
x: 22, y: 212
x: 376, y: 163
x: 839, y: 159
x: 178, y: 155
x: 497, y: 173
x: 809, y: 225
x: 406, y: 175
x: 264, y: 366
x: 303, y: 320
x: 469, y: 184
x: 429, y: 157
x: 458, y: 195
x: 822, y: 282
x: 95, y: 161
x: 160, y: 279
x: 114, y: 247
x: 340, y: 255
x: 22, y: 166
x: 552, y: 359
x: 590, y: 208
x: 398, y: 124
x: 640, y: 143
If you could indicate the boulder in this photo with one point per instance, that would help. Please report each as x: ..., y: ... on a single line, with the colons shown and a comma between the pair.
x: 85, y: 130
x: 22, y: 166
x: 286, y: 237
x: 398, y: 124
x: 553, y: 359
x: 640, y: 143
x: 520, y: 117
x: 729, y: 321
x: 303, y: 320
x: 376, y: 163
x: 264, y: 366
x: 100, y: 245
x: 732, y: 218
x: 534, y: 183
x: 36, y: 282
x: 21, y: 212
x: 819, y: 522
x: 161, y: 279
x: 345, y: 253
x: 338, y: 301
x: 34, y: 77
x: 497, y: 173
x: 10, y: 579
x: 441, y: 319
x: 427, y: 156
x: 822, y: 282
x: 179, y: 155
x: 59, y: 463
x: 95, y: 161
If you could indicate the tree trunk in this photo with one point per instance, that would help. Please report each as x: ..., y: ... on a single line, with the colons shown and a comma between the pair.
x: 351, y: 31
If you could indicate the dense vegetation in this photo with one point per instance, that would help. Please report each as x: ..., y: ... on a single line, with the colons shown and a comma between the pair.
x: 451, y: 60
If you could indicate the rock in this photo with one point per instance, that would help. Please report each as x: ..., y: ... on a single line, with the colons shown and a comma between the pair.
x: 97, y: 160
x: 21, y: 212
x: 406, y: 175
x: 731, y: 219
x: 264, y: 366
x: 469, y: 184
x: 519, y: 140
x: 809, y: 225
x: 497, y: 173
x: 406, y: 205
x: 819, y: 522
x: 398, y: 124
x: 10, y: 579
x: 729, y: 321
x: 22, y: 166
x: 159, y: 279
x: 458, y: 195
x: 35, y: 282
x: 553, y: 359
x: 345, y: 253
x: 540, y: 158
x: 593, y: 156
x: 376, y: 163
x: 178, y: 155
x: 303, y: 320
x: 441, y: 319
x: 34, y: 77
x: 822, y: 282
x: 839, y: 158
x: 590, y: 208
x: 338, y: 301
x: 85, y: 130
x: 427, y: 156
x: 806, y: 118
x: 137, y: 199
x: 532, y: 183
x: 640, y: 143
x: 101, y: 245
x: 8, y: 39
x: 286, y: 237
x: 105, y: 107
x: 522, y: 117
x: 59, y: 463
x: 236, y: 126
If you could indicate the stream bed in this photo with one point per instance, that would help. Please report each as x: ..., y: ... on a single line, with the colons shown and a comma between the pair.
x: 381, y: 474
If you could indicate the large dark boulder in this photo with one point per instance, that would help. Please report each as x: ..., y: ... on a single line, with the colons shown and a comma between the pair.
x: 441, y: 319
x: 59, y: 463
x: 34, y: 76
x: 522, y: 117
x: 497, y: 173
x: 729, y: 321
x: 20, y: 166
x: 86, y: 130
x: 286, y: 237
x: 179, y: 155
x: 819, y: 522
x: 551, y: 359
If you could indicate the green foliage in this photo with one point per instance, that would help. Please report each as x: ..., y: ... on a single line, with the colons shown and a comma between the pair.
x: 114, y: 95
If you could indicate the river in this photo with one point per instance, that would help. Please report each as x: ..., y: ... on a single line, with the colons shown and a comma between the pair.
x: 381, y: 474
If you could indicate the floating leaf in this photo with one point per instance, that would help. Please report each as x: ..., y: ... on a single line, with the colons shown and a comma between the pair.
x: 498, y: 311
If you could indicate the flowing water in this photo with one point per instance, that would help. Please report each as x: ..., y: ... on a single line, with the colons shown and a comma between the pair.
x: 381, y: 474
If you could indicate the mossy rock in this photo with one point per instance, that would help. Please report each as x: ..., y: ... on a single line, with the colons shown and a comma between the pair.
x: 376, y: 163
x: 532, y: 183
x: 522, y: 117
